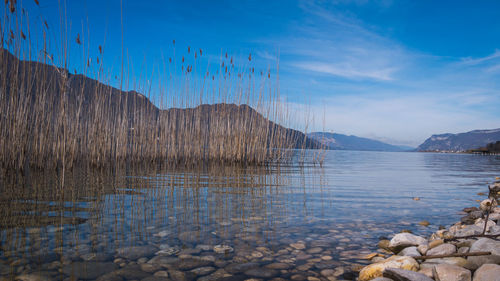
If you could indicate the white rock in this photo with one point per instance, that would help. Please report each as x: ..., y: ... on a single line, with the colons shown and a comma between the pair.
x: 485, y: 204
x: 410, y: 252
x: 423, y: 249
x: 480, y: 223
x: 443, y: 249
x: 448, y: 272
x: 484, y: 245
x: 403, y: 240
x: 487, y: 272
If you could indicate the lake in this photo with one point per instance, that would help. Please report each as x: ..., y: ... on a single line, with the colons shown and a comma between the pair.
x: 230, y: 223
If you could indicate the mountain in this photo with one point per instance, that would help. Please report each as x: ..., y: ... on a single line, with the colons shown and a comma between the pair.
x: 344, y: 142
x: 48, y: 115
x: 460, y: 142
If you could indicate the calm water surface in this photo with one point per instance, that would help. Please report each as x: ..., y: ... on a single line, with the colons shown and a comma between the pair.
x: 229, y: 223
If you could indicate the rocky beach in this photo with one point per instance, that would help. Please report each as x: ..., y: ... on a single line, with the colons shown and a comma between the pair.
x: 468, y: 250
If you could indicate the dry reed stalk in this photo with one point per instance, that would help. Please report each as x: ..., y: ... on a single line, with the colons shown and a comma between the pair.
x: 51, y: 118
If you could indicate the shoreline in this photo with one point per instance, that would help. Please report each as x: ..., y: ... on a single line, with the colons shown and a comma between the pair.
x: 467, y: 250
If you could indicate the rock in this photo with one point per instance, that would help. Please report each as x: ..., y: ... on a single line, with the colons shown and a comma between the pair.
x: 382, y: 279
x: 151, y: 268
x: 161, y: 273
x: 486, y: 204
x: 162, y: 233
x: 327, y: 272
x: 326, y: 258
x: 471, y: 217
x: 326, y: 264
x: 487, y: 272
x: 177, y: 275
x: 298, y: 246
x: 494, y: 187
x: 261, y: 272
x: 489, y: 224
x: 223, y: 249
x: 278, y: 265
x: 424, y: 223
x: 161, y: 260
x: 427, y: 271
x: 422, y: 249
x: 136, y: 252
x: 32, y: 277
x: 315, y: 250
x: 495, y: 229
x: 204, y: 247
x: 398, y: 274
x: 384, y: 244
x: 484, y: 245
x: 240, y: 267
x: 463, y: 250
x: 218, y: 275
x: 410, y: 252
x: 369, y: 256
x: 375, y: 270
x: 257, y: 254
x: 443, y: 249
x: 88, y: 270
x: 166, y: 250
x: 469, y: 230
x: 458, y: 261
x: 96, y: 257
x: 131, y: 273
x: 191, y: 263
x: 108, y: 277
x: 448, y: 272
x: 201, y: 271
x: 470, y: 209
x: 435, y: 243
x: 155, y: 278
x: 298, y: 277
x: 403, y: 240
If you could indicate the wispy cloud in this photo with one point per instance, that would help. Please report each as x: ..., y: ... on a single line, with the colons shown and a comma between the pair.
x: 266, y: 55
x: 347, y: 71
x: 329, y: 42
x: 475, y: 61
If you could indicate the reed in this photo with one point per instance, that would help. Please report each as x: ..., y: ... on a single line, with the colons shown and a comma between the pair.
x: 52, y: 118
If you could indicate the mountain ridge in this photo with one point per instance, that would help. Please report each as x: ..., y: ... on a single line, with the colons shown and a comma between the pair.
x: 460, y: 142
x: 350, y: 142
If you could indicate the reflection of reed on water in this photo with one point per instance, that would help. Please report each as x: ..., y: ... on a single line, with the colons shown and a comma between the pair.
x: 126, y: 205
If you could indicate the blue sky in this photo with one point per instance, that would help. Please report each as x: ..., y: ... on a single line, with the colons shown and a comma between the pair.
x: 397, y: 71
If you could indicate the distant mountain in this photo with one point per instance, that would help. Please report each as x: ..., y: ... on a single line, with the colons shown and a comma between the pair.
x: 460, y: 142
x: 344, y: 142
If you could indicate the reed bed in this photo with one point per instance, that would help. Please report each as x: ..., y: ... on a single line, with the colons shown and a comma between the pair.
x: 50, y: 117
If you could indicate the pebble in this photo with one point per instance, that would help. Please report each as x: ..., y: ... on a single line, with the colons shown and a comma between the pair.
x: 223, y: 249
x: 298, y: 246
